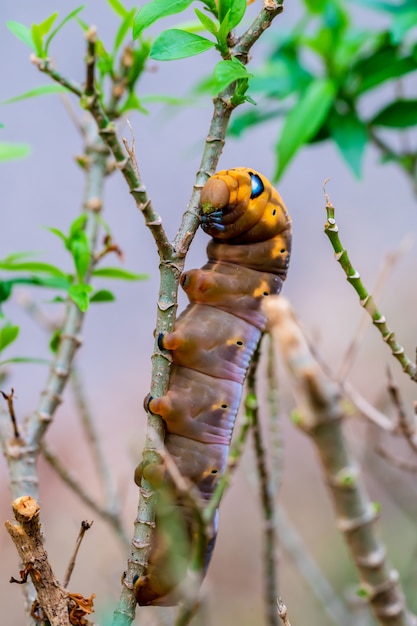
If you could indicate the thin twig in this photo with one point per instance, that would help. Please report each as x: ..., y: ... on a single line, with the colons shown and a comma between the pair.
x: 90, y: 61
x: 407, y: 429
x: 9, y: 399
x: 270, y: 576
x: 274, y: 420
x: 83, y: 529
x: 400, y: 463
x: 282, y: 612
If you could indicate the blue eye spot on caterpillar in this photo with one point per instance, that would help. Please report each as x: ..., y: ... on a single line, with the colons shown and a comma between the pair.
x: 212, y: 346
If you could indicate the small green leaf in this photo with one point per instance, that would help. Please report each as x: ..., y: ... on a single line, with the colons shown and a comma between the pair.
x: 25, y: 359
x: 227, y: 72
x: 58, y: 233
x: 6, y: 287
x: 156, y: 10
x: 362, y: 592
x: 124, y: 28
x: 42, y: 90
x: 54, y: 342
x: 11, y: 151
x: 118, y: 273
x: 232, y: 11
x: 81, y: 253
x: 79, y: 294
x: 66, y: 19
x: 132, y: 103
x: 351, y: 137
x: 178, y: 44
x: 22, y: 32
x: 37, y: 40
x: 402, y: 23
x: 315, y: 6
x: 103, y: 295
x: 8, y: 334
x: 31, y: 266
x: 77, y: 225
x: 304, y: 121
x: 208, y: 23
x: 45, y: 26
x: 118, y: 8
x: 399, y: 114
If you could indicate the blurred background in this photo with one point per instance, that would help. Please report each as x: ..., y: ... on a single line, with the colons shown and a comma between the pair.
x: 375, y: 214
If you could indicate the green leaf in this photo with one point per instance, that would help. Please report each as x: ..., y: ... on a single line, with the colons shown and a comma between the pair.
x: 118, y: 273
x: 382, y: 65
x: 8, y: 334
x: 241, y: 123
x: 103, y: 295
x: 42, y: 90
x: 22, y: 32
x: 79, y: 294
x: 140, y: 56
x: 66, y: 19
x: 208, y: 23
x: 118, y: 8
x: 81, y: 253
x: 304, y: 121
x: 45, y: 26
x: 124, y: 28
x: 31, y: 266
x: 227, y: 72
x: 211, y: 6
x: 131, y: 103
x: 37, y: 40
x: 399, y: 114
x: 315, y: 6
x: 402, y: 23
x: 6, y: 287
x: 25, y: 359
x: 55, y: 339
x: 11, y: 151
x: 350, y: 135
x: 77, y: 225
x: 156, y: 10
x: 58, y: 233
x: 232, y: 11
x: 178, y: 44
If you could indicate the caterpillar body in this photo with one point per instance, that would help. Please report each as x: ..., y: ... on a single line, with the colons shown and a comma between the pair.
x: 212, y: 345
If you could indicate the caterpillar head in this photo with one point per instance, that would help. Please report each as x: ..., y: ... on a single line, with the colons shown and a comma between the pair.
x: 242, y: 205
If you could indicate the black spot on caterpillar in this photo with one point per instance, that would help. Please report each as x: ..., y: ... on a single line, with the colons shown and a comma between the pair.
x: 212, y: 345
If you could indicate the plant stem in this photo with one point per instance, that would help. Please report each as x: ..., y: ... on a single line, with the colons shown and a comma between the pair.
x: 320, y: 415
x: 366, y: 300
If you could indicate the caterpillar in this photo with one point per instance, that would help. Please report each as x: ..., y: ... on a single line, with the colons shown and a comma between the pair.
x: 212, y: 344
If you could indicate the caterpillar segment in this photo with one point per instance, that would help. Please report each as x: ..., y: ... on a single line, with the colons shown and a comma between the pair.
x: 212, y: 346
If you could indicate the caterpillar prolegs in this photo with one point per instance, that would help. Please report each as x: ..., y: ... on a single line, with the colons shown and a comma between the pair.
x: 212, y: 345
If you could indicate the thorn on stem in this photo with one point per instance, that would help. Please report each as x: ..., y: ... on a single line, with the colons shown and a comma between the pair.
x: 9, y: 400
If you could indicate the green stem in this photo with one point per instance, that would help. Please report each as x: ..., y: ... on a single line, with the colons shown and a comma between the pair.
x: 366, y: 300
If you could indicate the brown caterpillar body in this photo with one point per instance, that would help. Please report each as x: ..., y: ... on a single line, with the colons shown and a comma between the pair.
x: 212, y: 345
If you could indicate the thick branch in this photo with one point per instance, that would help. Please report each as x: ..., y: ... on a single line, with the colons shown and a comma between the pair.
x: 320, y: 414
x: 27, y: 537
